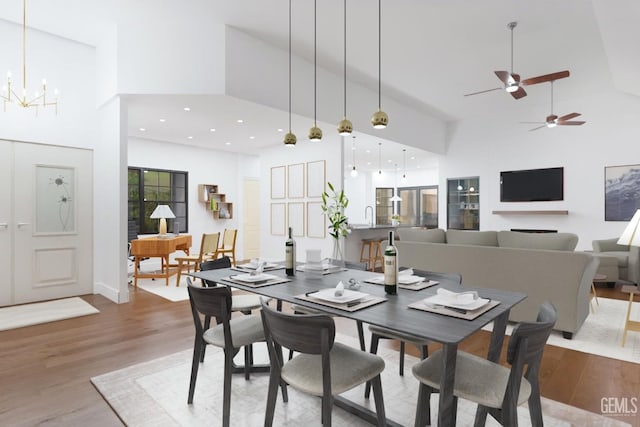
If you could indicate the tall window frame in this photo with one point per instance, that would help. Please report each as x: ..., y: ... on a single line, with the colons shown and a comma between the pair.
x: 384, y: 205
x: 147, y: 188
x: 419, y: 206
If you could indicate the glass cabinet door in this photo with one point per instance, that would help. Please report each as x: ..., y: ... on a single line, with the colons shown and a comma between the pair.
x: 419, y: 206
x: 463, y: 203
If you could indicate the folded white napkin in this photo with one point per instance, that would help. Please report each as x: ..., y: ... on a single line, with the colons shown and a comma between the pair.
x: 458, y: 297
x: 339, y: 289
x: 407, y: 272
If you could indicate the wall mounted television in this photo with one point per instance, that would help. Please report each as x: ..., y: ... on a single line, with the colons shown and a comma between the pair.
x: 532, y: 185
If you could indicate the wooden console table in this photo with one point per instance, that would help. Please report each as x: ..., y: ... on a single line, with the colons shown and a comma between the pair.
x: 151, y: 247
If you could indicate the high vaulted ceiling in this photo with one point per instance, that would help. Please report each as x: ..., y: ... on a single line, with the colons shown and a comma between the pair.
x: 433, y: 52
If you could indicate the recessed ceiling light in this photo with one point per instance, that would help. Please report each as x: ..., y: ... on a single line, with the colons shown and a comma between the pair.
x: 212, y: 130
x: 279, y: 129
x: 252, y: 137
x: 413, y: 157
x: 189, y: 137
x: 142, y: 129
x: 187, y: 109
x: 227, y: 143
x: 240, y: 121
x: 418, y: 166
x: 389, y: 161
x: 163, y: 120
x: 368, y: 163
x: 367, y: 151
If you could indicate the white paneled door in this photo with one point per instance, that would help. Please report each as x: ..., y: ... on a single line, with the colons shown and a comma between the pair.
x: 6, y: 245
x: 251, y: 219
x: 52, y: 222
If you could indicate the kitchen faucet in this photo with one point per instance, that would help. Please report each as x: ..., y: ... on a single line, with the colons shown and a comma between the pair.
x: 365, y: 214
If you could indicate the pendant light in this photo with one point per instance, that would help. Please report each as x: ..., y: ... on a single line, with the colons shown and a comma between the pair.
x: 290, y: 138
x: 404, y: 161
x: 315, y: 133
x: 354, y: 172
x: 345, y: 127
x: 379, y: 119
x: 9, y: 96
x: 395, y: 197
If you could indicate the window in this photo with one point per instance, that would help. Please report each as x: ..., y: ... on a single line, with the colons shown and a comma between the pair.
x: 384, y: 205
x: 419, y: 206
x: 150, y: 187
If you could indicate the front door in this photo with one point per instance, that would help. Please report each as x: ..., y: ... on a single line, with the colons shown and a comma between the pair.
x: 52, y: 222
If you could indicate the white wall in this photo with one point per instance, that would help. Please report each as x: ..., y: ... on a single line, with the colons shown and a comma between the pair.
x: 484, y: 146
x: 226, y: 170
x: 330, y: 150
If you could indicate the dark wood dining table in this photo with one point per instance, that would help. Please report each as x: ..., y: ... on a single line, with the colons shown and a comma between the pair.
x: 395, y: 314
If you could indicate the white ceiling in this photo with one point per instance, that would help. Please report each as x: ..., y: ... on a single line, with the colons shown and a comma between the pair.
x: 433, y: 52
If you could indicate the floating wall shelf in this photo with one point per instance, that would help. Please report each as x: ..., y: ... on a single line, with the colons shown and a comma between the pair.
x: 548, y: 212
x: 216, y: 202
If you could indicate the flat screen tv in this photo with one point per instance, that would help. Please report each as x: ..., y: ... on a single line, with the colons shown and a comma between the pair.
x: 532, y: 185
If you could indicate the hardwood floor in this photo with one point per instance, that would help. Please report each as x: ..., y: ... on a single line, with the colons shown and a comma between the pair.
x: 45, y: 369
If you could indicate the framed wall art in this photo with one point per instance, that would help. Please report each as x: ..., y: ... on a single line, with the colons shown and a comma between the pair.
x: 278, y: 182
x: 295, y: 215
x: 621, y: 192
x: 278, y: 219
x: 316, y: 220
x: 296, y: 181
x: 315, y: 178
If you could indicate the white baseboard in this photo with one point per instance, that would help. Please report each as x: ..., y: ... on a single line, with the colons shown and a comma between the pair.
x: 108, y: 292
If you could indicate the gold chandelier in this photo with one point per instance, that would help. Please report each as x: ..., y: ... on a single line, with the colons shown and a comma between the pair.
x: 9, y: 95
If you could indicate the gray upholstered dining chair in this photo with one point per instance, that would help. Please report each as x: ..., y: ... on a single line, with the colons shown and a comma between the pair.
x: 322, y: 368
x: 243, y: 303
x: 298, y: 309
x: 496, y: 389
x: 379, y: 332
x: 228, y: 334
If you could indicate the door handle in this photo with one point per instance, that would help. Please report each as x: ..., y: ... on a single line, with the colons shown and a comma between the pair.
x: 22, y: 224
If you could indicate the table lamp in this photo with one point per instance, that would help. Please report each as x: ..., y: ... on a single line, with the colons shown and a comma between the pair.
x: 162, y: 212
x: 631, y: 235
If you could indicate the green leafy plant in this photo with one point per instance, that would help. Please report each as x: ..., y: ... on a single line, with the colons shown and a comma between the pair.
x: 333, y: 205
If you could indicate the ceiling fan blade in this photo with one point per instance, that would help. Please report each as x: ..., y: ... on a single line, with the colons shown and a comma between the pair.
x: 483, y: 91
x: 546, y: 78
x: 568, y: 117
x: 573, y: 123
x: 533, y: 123
x: 539, y: 127
x: 504, y: 76
x: 519, y: 93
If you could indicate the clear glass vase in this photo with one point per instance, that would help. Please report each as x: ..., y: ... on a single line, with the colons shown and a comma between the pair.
x: 338, y: 249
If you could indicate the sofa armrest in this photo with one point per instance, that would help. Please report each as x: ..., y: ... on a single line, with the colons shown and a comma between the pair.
x: 608, y: 245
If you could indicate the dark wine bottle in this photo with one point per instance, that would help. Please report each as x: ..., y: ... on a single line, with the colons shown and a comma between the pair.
x: 290, y: 256
x: 391, y: 267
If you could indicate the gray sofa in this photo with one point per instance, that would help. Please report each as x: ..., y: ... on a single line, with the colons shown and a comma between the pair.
x: 627, y: 257
x: 543, y: 266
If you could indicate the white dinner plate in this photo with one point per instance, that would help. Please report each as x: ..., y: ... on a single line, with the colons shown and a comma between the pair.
x: 255, y: 278
x: 329, y: 294
x: 451, y: 302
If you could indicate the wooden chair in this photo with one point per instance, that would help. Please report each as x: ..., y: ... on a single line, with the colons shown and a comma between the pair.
x: 228, y: 334
x: 208, y: 248
x: 323, y: 368
x: 228, y: 246
x: 496, y: 389
x: 378, y: 332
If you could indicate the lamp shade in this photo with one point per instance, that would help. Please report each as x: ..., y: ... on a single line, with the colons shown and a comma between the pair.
x: 631, y: 235
x: 162, y: 211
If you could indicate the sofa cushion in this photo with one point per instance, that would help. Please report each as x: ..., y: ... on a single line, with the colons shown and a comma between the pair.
x: 549, y: 241
x: 467, y: 237
x: 435, y: 235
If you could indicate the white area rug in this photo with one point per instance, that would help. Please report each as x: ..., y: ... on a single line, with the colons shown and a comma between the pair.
x: 601, y: 333
x: 158, y: 286
x: 154, y: 394
x: 18, y: 316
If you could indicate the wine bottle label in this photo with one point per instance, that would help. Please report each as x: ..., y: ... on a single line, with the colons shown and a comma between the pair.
x: 289, y: 257
x: 390, y: 270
